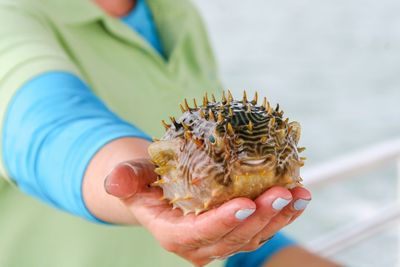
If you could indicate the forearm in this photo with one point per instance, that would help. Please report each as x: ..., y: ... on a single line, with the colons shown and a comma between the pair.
x: 295, y: 256
x: 53, y: 129
x: 102, y: 205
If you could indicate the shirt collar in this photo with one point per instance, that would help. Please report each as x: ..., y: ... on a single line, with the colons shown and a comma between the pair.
x: 166, y: 13
x: 74, y: 12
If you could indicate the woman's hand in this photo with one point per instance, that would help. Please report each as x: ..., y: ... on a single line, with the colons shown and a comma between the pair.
x: 238, y: 225
x: 125, y: 198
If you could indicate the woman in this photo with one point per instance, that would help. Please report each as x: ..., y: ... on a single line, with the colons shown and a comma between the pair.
x: 81, y: 83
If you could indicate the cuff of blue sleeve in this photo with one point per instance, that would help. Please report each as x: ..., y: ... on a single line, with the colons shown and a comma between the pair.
x: 258, y: 257
x: 91, y: 144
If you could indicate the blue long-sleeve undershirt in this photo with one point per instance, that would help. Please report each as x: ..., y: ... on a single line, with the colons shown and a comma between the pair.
x: 50, y: 136
x: 258, y: 257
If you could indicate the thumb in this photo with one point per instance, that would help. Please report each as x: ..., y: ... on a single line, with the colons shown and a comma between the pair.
x: 129, y: 178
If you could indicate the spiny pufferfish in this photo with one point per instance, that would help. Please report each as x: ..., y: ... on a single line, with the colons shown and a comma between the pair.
x: 225, y: 149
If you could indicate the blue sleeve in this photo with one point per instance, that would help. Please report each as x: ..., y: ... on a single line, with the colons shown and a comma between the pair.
x: 53, y: 127
x: 260, y: 256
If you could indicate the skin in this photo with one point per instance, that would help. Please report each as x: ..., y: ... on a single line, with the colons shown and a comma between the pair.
x: 116, y: 8
x: 296, y: 256
x: 116, y: 189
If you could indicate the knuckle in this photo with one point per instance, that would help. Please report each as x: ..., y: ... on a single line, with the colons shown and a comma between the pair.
x: 288, y: 213
x: 169, y: 246
x: 252, y: 245
x: 228, y: 223
x: 205, y: 241
x: 283, y: 218
x: 187, y: 241
x: 221, y: 252
x: 236, y: 239
x: 264, y: 218
x: 195, y: 241
x: 202, y: 238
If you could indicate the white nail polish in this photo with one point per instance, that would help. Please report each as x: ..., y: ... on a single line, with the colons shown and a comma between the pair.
x: 244, y: 213
x: 280, y: 203
x: 300, y: 204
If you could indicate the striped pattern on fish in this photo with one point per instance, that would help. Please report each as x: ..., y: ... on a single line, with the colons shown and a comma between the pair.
x: 225, y: 149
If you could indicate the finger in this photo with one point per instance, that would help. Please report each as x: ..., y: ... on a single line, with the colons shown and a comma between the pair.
x: 268, y: 205
x: 301, y: 197
x: 210, y: 226
x: 187, y: 233
x: 129, y: 178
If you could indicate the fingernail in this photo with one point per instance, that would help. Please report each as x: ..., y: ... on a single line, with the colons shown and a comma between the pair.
x: 105, y: 184
x: 120, y: 182
x: 280, y: 203
x: 301, y: 204
x: 244, y: 213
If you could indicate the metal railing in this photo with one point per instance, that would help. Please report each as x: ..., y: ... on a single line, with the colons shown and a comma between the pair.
x: 346, y: 167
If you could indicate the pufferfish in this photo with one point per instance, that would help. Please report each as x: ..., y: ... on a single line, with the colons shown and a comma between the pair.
x: 225, y: 149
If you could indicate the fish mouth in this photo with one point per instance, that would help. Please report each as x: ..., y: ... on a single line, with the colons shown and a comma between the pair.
x: 254, y: 162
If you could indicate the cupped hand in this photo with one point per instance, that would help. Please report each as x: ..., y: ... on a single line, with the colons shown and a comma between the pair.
x: 240, y: 224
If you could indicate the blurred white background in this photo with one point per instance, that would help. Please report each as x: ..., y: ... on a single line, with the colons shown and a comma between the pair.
x: 334, y: 66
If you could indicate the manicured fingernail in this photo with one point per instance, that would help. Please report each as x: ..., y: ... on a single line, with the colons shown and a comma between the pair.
x: 301, y: 204
x: 120, y: 182
x: 280, y: 203
x: 244, y: 213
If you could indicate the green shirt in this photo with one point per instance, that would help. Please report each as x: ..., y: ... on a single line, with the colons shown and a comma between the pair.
x: 131, y: 78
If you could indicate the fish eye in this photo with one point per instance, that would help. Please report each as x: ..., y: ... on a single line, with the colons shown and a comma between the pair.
x: 212, y: 139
